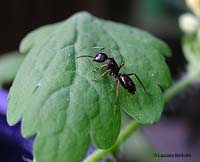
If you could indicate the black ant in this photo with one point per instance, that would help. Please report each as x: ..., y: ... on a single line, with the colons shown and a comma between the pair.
x: 113, y: 69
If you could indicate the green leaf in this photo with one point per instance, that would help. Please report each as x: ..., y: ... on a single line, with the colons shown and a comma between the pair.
x: 9, y: 65
x: 191, y: 48
x: 56, y: 98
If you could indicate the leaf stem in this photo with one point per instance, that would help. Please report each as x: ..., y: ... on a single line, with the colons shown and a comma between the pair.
x: 176, y: 88
x: 188, y: 79
x: 98, y: 154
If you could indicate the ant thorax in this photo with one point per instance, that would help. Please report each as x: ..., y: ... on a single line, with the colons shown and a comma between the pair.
x: 111, y: 64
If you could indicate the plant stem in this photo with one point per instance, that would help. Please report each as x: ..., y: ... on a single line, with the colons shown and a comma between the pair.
x: 180, y: 85
x: 98, y: 154
x: 176, y: 88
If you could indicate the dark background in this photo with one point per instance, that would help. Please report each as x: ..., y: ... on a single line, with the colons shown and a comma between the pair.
x: 18, y: 17
x: 160, y: 17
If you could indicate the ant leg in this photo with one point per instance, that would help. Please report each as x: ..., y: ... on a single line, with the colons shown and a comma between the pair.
x: 121, y: 66
x: 102, y: 75
x: 100, y: 67
x: 116, y: 96
x: 139, y: 81
x: 99, y: 47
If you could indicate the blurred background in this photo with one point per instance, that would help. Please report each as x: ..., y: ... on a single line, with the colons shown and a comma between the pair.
x: 179, y: 129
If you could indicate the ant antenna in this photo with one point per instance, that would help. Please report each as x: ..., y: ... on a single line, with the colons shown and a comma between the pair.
x: 122, y: 65
x: 84, y: 56
x: 99, y: 47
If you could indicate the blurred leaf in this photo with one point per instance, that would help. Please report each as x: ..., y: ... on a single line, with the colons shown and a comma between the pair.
x: 191, y: 49
x: 137, y: 148
x: 9, y: 65
x: 56, y: 98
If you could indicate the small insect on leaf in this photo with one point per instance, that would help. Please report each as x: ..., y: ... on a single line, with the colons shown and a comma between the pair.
x: 113, y: 69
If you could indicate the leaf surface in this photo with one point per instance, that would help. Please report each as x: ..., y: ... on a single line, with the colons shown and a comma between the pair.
x: 56, y: 98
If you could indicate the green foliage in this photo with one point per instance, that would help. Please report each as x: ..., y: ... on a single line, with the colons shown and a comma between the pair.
x: 191, y: 49
x: 9, y: 65
x: 56, y: 98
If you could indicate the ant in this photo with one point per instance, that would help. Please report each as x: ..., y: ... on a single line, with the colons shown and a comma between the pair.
x: 113, y: 69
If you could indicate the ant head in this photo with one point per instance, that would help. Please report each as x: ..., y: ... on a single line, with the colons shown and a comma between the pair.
x: 100, y: 57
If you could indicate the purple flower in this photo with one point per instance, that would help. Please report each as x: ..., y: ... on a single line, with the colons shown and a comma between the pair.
x: 3, y: 101
x: 90, y: 151
x: 13, y: 146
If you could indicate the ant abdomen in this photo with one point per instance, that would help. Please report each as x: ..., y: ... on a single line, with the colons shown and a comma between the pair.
x: 127, y: 83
